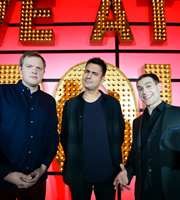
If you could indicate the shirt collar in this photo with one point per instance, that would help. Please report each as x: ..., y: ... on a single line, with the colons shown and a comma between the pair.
x: 23, y: 88
x: 102, y: 94
x: 159, y: 108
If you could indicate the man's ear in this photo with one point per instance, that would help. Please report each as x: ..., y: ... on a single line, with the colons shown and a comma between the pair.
x: 20, y: 69
x: 102, y: 79
x: 160, y: 85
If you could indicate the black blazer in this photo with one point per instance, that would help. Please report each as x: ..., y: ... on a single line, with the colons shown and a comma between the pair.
x: 71, y: 136
x: 169, y: 153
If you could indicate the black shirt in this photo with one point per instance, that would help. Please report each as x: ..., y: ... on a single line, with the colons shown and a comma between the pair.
x: 150, y: 138
x: 97, y: 162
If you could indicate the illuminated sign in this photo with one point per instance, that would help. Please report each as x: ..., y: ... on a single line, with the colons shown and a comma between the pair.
x: 116, y: 25
x: 30, y: 15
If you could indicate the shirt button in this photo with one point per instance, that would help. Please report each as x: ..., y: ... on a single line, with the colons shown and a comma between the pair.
x: 31, y: 97
x: 150, y: 170
x: 31, y: 122
x: 31, y: 108
x: 29, y: 152
x: 27, y: 167
x: 23, y: 90
x: 80, y: 116
x: 31, y: 136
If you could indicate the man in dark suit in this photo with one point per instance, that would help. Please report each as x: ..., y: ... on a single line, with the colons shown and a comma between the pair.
x: 155, y: 155
x: 92, y: 132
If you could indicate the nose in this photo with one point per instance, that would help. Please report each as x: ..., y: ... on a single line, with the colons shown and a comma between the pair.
x: 145, y: 90
x: 89, y: 75
x: 34, y: 70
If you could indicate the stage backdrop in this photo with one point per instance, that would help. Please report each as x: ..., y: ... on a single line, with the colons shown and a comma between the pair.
x: 130, y: 34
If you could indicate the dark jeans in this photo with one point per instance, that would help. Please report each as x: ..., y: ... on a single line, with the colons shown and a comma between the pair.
x: 103, y: 190
x: 36, y: 192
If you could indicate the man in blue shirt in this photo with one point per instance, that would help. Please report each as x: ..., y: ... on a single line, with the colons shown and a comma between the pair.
x: 28, y: 133
x: 92, y: 132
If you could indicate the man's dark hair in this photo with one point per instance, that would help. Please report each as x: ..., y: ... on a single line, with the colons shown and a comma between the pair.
x: 31, y: 54
x: 100, y: 62
x: 153, y: 76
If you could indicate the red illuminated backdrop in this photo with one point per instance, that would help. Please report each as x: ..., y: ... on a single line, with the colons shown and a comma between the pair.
x: 72, y: 26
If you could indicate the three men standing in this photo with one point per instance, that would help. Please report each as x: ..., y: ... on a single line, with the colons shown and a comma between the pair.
x: 91, y: 134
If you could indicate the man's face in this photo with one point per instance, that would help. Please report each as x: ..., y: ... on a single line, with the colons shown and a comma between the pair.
x: 92, y: 77
x: 149, y: 91
x: 32, y: 71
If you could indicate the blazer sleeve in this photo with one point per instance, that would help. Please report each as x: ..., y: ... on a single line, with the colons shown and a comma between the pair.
x: 132, y: 158
x: 64, y: 129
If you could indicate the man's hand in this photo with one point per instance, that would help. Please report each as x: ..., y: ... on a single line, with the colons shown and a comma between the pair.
x: 36, y: 174
x: 18, y: 179
x: 121, y: 179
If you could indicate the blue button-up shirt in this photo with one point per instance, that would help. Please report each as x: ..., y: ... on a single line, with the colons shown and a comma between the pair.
x: 28, y: 129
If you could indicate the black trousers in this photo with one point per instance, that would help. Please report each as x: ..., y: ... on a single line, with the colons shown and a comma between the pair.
x: 103, y: 190
x: 36, y: 192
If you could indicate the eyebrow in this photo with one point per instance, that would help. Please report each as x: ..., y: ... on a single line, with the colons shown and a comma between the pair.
x: 145, y: 84
x: 92, y: 71
x: 148, y: 83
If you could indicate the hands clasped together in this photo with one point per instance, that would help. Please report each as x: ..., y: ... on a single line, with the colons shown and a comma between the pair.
x: 22, y: 180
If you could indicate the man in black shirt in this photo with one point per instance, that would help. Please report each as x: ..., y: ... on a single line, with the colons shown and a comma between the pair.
x: 155, y: 153
x: 92, y: 132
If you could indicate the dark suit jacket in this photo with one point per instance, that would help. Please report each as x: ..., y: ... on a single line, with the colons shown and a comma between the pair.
x: 71, y: 136
x: 169, y: 127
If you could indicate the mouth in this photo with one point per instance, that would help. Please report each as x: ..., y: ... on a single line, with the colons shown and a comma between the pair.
x: 87, y: 81
x: 33, y: 77
x: 147, y: 97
